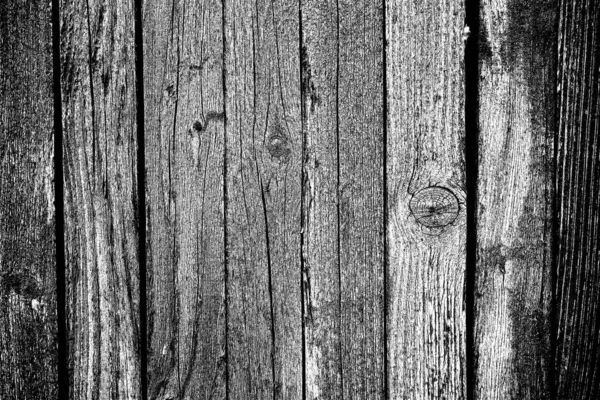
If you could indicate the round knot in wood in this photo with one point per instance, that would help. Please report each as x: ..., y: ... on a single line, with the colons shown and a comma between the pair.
x: 434, y: 207
x: 278, y: 147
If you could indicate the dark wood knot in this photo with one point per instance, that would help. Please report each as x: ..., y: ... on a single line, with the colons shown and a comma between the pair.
x: 278, y: 146
x: 434, y: 207
x: 198, y: 126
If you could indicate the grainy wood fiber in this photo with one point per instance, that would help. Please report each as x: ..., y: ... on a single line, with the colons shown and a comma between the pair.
x: 306, y: 180
x: 28, y: 341
x: 343, y: 263
x: 99, y: 110
x: 425, y: 148
x: 184, y: 122
x: 577, y: 280
x: 514, y: 189
x: 263, y: 155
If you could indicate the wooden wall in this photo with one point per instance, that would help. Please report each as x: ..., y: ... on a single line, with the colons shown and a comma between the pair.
x: 342, y: 199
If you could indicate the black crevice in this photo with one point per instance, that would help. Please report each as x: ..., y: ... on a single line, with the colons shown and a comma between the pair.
x: 472, y: 8
x: 225, y: 200
x: 141, y: 193
x: 63, y: 370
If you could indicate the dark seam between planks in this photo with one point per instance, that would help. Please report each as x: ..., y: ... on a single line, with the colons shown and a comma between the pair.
x: 338, y: 197
x: 92, y: 102
x: 386, y: 393
x: 302, y: 193
x: 173, y: 199
x: 141, y: 192
x: 225, y: 253
x: 471, y: 167
x: 63, y: 372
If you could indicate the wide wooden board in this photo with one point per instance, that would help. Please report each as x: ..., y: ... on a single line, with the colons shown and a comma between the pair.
x: 101, y: 239
x: 343, y: 203
x: 514, y: 198
x: 262, y: 203
x: 426, y: 329
x: 184, y: 120
x: 28, y: 325
x: 577, y: 266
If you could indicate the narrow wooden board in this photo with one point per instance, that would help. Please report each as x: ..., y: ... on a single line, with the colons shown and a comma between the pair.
x: 360, y: 201
x: 426, y: 199
x: 101, y: 240
x: 183, y: 60
x: 577, y: 279
x: 28, y: 326
x: 343, y: 120
x: 263, y: 148
x: 320, y: 247
x: 514, y: 231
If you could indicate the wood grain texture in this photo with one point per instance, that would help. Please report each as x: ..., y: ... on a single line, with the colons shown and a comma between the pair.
x: 514, y: 232
x: 184, y: 122
x: 101, y: 241
x: 28, y: 329
x: 342, y: 94
x: 577, y: 280
x: 263, y: 148
x: 320, y: 247
x: 425, y: 148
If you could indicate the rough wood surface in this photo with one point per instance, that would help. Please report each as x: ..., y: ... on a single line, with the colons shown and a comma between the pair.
x: 263, y: 142
x: 514, y: 232
x: 99, y: 109
x: 321, y: 276
x: 426, y: 181
x: 28, y: 341
x: 343, y: 120
x: 184, y: 151
x: 577, y: 280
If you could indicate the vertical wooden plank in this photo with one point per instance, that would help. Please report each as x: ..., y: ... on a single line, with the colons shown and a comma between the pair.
x: 577, y: 280
x: 513, y: 286
x: 321, y: 273
x: 263, y: 147
x: 320, y: 247
x: 28, y: 326
x: 360, y: 148
x: 342, y: 94
x: 183, y: 52
x: 101, y: 240
x: 426, y: 199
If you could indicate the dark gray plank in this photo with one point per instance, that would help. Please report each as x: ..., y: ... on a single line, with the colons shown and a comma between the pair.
x: 263, y: 148
x: 101, y: 241
x: 183, y: 59
x: 577, y: 280
x: 513, y: 285
x: 28, y: 328
x: 342, y: 69
x: 320, y: 247
x: 426, y: 199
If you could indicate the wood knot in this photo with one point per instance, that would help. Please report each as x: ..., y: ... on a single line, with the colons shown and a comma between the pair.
x: 278, y: 146
x: 198, y: 126
x: 434, y: 207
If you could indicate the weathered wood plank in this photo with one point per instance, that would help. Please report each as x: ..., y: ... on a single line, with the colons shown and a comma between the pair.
x: 577, y: 279
x: 28, y: 326
x: 361, y: 146
x: 101, y: 240
x: 321, y: 269
x: 514, y: 231
x: 184, y: 146
x: 342, y: 94
x: 426, y: 196
x: 263, y: 147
